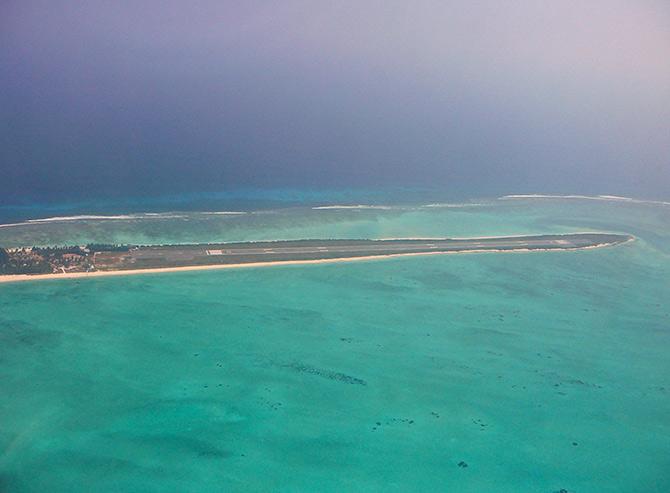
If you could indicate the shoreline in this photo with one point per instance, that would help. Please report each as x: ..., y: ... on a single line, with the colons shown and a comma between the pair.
x: 6, y: 279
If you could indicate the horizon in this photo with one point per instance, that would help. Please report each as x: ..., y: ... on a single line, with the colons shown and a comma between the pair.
x: 479, y: 100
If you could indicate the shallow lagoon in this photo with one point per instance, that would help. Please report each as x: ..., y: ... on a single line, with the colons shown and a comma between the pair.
x: 538, y: 371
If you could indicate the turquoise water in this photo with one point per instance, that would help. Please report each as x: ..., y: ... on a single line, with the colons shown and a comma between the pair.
x: 479, y: 218
x: 539, y: 371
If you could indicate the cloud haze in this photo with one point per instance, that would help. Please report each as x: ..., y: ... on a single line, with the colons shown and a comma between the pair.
x: 485, y: 97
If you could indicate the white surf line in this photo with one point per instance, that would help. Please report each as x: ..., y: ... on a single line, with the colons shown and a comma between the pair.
x: 72, y: 219
x: 455, y: 205
x: 356, y: 206
x: 604, y: 198
x: 223, y: 213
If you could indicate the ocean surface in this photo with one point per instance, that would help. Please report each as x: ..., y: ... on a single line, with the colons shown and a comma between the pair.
x: 498, y: 372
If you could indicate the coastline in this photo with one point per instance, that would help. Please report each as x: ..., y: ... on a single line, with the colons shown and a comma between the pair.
x: 5, y: 279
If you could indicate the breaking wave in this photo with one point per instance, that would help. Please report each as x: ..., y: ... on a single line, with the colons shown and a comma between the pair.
x: 448, y: 205
x: 357, y: 206
x: 224, y: 213
x: 604, y: 198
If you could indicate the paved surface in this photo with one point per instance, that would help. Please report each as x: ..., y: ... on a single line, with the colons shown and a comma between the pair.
x: 182, y: 255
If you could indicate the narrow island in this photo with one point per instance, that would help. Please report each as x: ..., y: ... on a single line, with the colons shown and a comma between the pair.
x: 98, y: 259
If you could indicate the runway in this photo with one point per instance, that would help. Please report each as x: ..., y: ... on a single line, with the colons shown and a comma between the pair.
x: 276, y: 251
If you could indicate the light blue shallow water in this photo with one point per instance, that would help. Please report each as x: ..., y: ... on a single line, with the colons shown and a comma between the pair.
x: 540, y: 371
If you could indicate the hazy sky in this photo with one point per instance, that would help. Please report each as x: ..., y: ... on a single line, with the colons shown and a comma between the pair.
x: 475, y: 96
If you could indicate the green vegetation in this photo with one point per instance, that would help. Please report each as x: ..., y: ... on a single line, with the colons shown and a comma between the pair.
x: 23, y: 261
x: 45, y: 260
x: 59, y: 250
x: 103, y: 247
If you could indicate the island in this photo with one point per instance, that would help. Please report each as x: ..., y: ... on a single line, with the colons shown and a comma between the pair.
x: 101, y: 259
